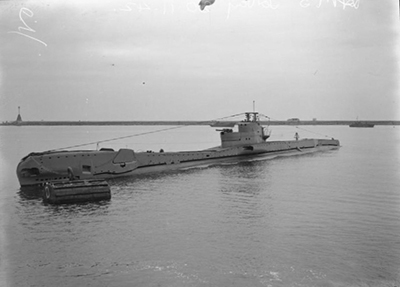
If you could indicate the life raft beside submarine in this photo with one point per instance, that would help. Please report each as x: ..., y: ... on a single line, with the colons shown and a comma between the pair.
x: 72, y: 191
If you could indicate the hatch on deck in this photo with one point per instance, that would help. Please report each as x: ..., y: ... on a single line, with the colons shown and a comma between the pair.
x: 124, y: 155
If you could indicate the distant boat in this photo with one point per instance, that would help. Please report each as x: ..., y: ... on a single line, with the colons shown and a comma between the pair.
x: 360, y: 124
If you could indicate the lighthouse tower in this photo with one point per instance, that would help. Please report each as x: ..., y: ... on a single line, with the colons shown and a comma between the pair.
x: 19, y: 118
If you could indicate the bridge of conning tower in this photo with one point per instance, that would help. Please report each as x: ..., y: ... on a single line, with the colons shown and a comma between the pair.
x: 249, y: 132
x: 251, y: 117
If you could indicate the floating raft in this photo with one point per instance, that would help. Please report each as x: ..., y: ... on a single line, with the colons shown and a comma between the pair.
x: 72, y: 191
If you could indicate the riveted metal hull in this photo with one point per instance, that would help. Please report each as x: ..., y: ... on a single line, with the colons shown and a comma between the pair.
x: 39, y: 168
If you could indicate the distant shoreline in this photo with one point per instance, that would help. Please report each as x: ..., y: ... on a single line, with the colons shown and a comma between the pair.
x: 191, y: 123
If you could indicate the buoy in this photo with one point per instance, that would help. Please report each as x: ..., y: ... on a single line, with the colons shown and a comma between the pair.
x: 72, y: 191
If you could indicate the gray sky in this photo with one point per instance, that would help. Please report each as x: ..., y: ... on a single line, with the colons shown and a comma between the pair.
x: 168, y: 60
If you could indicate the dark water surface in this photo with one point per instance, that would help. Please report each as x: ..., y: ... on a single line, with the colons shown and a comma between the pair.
x: 326, y: 219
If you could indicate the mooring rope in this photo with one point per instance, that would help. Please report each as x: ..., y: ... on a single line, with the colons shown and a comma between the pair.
x: 114, y: 139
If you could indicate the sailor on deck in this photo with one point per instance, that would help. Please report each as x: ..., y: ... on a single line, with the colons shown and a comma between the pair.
x: 296, y: 136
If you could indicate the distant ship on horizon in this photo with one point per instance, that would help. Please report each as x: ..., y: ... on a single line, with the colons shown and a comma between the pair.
x: 361, y: 124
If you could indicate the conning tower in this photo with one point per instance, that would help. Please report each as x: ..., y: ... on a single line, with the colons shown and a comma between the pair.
x: 249, y: 132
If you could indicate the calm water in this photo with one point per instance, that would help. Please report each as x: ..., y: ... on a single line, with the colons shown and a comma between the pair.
x: 327, y: 219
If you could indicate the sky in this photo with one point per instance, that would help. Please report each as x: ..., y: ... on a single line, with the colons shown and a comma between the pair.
x: 169, y: 60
